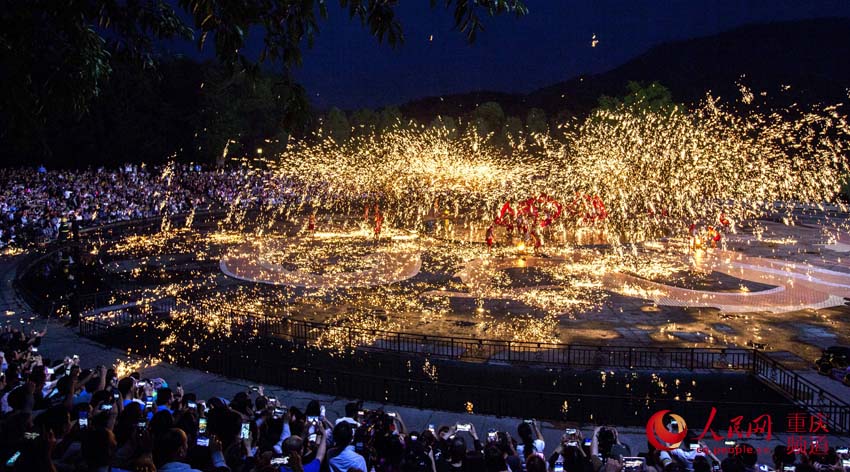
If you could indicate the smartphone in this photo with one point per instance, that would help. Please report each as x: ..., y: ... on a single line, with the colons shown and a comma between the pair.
x: 149, y: 402
x: 463, y: 426
x: 528, y: 421
x: 431, y: 427
x: 116, y: 395
x: 845, y: 462
x: 255, y: 388
x: 694, y: 446
x: 280, y: 461
x: 278, y: 412
x: 50, y: 371
x: 842, y: 450
x: 31, y: 435
x: 572, y: 444
x: 559, y: 467
x: 570, y: 431
x: 203, y: 441
x: 312, y: 419
x: 246, y: 431
x: 413, y: 437
x: 34, y: 349
x: 272, y: 400
x: 491, y: 435
x: 191, y: 404
x: 141, y: 425
x: 13, y: 459
x: 141, y: 383
x: 322, y: 412
x: 202, y: 425
x: 587, y: 442
x: 312, y: 438
x: 106, y: 407
x: 789, y: 468
x: 634, y: 464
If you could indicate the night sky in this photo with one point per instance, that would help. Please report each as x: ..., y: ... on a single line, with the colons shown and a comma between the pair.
x: 552, y: 43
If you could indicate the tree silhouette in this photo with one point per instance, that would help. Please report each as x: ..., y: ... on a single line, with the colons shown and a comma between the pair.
x: 57, y: 56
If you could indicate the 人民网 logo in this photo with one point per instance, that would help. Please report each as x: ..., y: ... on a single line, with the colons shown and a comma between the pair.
x: 655, y: 431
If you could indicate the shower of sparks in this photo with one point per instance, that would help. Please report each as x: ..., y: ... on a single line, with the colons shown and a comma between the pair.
x: 437, y: 192
x: 125, y: 368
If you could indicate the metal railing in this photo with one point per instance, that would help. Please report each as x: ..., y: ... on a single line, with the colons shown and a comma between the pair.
x: 349, y: 338
x: 100, y: 322
x: 804, y: 393
x: 255, y: 343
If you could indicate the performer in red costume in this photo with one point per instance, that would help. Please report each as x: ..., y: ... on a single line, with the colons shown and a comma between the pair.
x: 490, y: 238
x: 379, y: 220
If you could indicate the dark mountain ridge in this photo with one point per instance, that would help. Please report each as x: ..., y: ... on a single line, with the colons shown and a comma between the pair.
x: 804, y: 62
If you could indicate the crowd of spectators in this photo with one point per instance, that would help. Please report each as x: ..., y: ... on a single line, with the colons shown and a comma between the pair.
x: 37, y: 204
x: 59, y: 416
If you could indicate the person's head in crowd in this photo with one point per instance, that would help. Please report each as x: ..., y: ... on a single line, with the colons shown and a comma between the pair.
x: 19, y: 399
x: 526, y: 437
x: 313, y: 408
x: 160, y: 423
x: 606, y: 439
x: 503, y: 442
x: 39, y: 378
x: 189, y: 398
x: 97, y: 447
x: 673, y: 467
x: 457, y: 450
x: 242, y: 403
x: 293, y: 445
x: 226, y: 425
x: 127, y: 423
x: 170, y: 446
x: 92, y: 385
x: 101, y: 397
x: 215, y: 402
x: 443, y: 433
x: 783, y: 456
x: 164, y: 396
x: 188, y: 422
x: 351, y: 409
x: 56, y: 420
x: 494, y: 459
x: 428, y: 438
x: 535, y: 463
x: 127, y: 387
x: 343, y: 434
x: 261, y: 404
x: 701, y: 464
x: 747, y: 456
x: 731, y: 464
